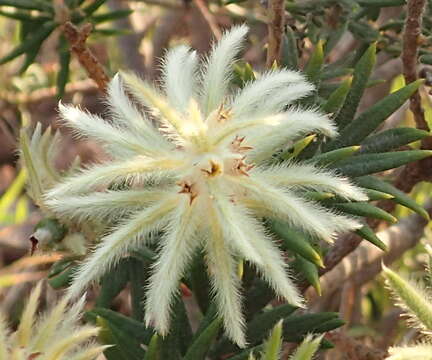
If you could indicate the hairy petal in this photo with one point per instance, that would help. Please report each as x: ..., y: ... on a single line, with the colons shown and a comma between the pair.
x: 289, y: 126
x: 126, y: 114
x: 285, y: 205
x: 225, y: 281
x: 116, y: 141
x: 115, y: 172
x: 178, y: 246
x: 171, y: 119
x: 412, y: 298
x: 24, y: 332
x: 310, y: 177
x: 307, y: 349
x: 258, y: 97
x: 179, y: 76
x: 3, y: 338
x: 217, y: 73
x: 101, y: 205
x: 128, y: 235
x: 415, y: 352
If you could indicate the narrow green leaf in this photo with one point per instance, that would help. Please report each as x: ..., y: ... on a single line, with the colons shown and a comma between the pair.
x: 200, y: 282
x: 199, y: 348
x: 273, y: 345
x: 371, y: 118
x: 371, y: 182
x: 27, y: 4
x: 13, y: 192
x: 296, y: 326
x: 153, y: 351
x: 375, y: 195
x: 365, y: 209
x: 112, y: 283
x: 334, y: 155
x: 315, y: 63
x: 297, y: 148
x: 91, y: 8
x: 309, y: 271
x: 369, y: 235
x: 295, y: 241
x: 366, y: 164
x: 64, y: 61
x: 44, y: 31
x: 362, y: 72
x: 128, y: 325
x: 381, y: 3
x: 334, y: 37
x: 261, y: 324
x: 138, y: 275
x: 318, y: 196
x: 426, y: 59
x: 289, y: 50
x: 363, y: 31
x: 23, y: 16
x: 391, y: 139
x: 106, y: 337
x: 110, y: 16
x: 337, y: 97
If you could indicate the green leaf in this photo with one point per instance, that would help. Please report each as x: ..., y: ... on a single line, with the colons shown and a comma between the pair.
x: 261, y: 324
x: 371, y: 118
x: 334, y: 37
x: 63, y: 278
x: 362, y: 72
x: 337, y: 97
x: 129, y: 326
x: 315, y: 63
x: 273, y: 345
x: 296, y: 326
x: 297, y: 148
x: 199, y: 348
x: 200, y: 282
x: 375, y: 195
x: 295, y: 241
x: 28, y: 44
x: 426, y: 59
x: 391, y: 139
x: 138, y: 276
x: 334, y: 155
x: 363, y: 31
x: 91, y: 8
x: 110, y: 16
x: 309, y: 271
x: 365, y: 209
x: 381, y: 3
x: 12, y: 193
x: 112, y: 283
x: 289, y: 50
x: 371, y: 182
x: 366, y: 164
x: 153, y: 349
x: 369, y: 235
x: 24, y: 16
x: 64, y: 61
x: 106, y: 337
x: 27, y: 4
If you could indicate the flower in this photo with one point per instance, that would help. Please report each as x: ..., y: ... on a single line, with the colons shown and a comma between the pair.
x: 54, y: 336
x: 200, y: 177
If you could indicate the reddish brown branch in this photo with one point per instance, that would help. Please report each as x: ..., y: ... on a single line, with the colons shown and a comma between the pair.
x: 209, y: 18
x: 276, y: 24
x: 77, y: 39
x: 411, y: 41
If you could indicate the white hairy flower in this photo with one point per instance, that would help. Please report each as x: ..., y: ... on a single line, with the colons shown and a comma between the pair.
x: 195, y: 169
x: 57, y: 335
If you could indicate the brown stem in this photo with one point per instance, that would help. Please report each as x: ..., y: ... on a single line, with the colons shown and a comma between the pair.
x: 77, y: 39
x: 276, y: 24
x: 411, y: 41
x: 209, y: 17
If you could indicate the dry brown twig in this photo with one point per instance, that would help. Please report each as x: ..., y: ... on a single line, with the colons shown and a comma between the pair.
x: 209, y: 18
x: 77, y: 39
x: 276, y: 24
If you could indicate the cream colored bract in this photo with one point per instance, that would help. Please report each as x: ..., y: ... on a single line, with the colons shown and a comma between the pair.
x: 57, y: 335
x: 200, y: 177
